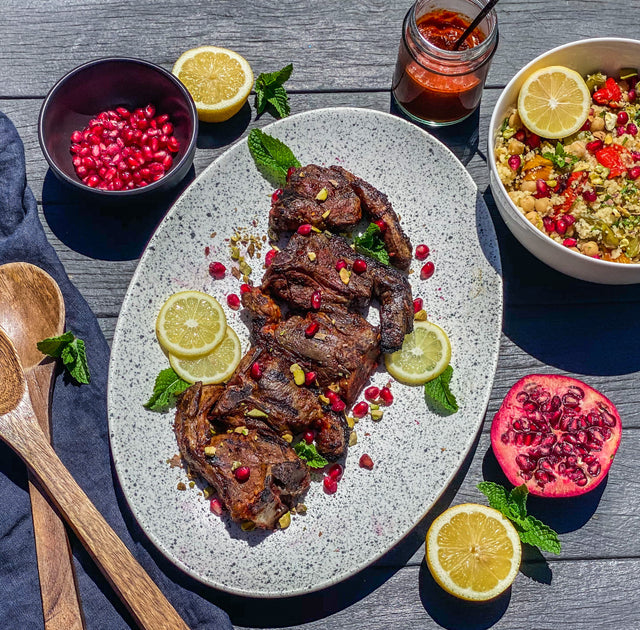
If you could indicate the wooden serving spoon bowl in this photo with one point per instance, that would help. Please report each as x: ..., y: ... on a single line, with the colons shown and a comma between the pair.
x: 19, y: 428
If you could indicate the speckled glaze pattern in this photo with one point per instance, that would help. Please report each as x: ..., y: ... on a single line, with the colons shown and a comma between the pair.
x: 416, y: 452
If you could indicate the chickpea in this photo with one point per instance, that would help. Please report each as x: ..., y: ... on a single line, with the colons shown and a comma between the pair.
x: 541, y: 205
x: 578, y: 148
x: 601, y: 135
x: 528, y: 186
x: 514, y: 120
x: 527, y: 205
x: 515, y: 147
x: 590, y: 248
x: 532, y: 217
x: 597, y: 124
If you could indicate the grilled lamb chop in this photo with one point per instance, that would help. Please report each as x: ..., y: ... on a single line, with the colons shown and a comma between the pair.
x: 334, y: 199
x: 277, y: 479
x: 294, y: 276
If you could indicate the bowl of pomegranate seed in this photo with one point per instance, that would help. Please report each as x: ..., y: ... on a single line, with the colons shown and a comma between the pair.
x: 119, y: 127
x: 564, y: 159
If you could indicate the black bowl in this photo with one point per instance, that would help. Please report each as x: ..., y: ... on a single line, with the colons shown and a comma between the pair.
x: 105, y: 84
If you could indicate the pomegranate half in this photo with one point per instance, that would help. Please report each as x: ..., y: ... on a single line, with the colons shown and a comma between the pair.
x: 556, y: 434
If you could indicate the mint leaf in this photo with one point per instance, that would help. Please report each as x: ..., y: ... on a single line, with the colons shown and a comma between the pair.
x: 272, y: 156
x: 270, y: 91
x: 309, y: 454
x: 371, y: 244
x: 437, y: 391
x: 72, y: 352
x: 165, y: 390
x: 560, y: 158
x: 514, y: 507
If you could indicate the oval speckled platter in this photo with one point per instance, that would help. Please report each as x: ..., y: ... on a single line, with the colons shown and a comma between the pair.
x: 416, y: 452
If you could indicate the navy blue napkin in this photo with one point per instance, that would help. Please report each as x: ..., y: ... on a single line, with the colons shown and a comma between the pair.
x: 80, y: 438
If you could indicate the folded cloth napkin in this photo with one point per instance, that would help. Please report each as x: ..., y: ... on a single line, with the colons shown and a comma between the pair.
x: 80, y: 437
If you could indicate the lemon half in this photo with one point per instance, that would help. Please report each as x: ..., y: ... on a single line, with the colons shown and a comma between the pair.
x: 190, y: 324
x: 473, y: 552
x: 425, y: 354
x: 218, y: 79
x: 554, y: 102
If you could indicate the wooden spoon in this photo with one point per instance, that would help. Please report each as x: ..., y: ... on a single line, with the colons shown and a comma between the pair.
x: 32, y: 309
x: 19, y: 429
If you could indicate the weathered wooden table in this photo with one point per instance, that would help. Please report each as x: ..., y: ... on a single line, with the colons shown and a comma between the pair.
x: 343, y: 53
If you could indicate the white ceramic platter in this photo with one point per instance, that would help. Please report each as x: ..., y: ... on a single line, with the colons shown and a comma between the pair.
x: 416, y: 452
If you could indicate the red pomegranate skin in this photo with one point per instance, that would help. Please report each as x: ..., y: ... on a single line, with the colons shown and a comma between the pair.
x: 556, y: 434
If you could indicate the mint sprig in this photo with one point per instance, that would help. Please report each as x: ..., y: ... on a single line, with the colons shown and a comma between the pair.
x: 272, y: 156
x: 371, y: 244
x: 438, y: 392
x: 72, y: 352
x: 166, y: 389
x: 309, y: 454
x: 270, y: 91
x: 561, y: 158
x: 513, y: 505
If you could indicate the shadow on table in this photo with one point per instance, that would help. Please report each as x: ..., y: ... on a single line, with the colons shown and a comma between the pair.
x: 573, y: 325
x: 105, y: 230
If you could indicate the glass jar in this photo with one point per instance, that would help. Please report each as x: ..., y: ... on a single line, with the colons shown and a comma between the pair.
x: 435, y: 85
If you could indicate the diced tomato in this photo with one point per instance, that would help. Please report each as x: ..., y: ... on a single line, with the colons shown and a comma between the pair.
x: 573, y: 189
x: 611, y: 157
x: 609, y: 93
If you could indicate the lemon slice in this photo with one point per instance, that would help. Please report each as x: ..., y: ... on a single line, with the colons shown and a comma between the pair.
x: 190, y: 324
x: 425, y: 354
x: 554, y: 102
x: 219, y: 80
x: 473, y: 552
x: 215, y: 367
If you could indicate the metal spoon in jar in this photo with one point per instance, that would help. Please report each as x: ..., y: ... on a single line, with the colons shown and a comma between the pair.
x: 474, y: 24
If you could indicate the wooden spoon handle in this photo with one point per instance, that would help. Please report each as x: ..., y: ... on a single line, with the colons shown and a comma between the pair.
x: 60, y: 602
x: 148, y: 606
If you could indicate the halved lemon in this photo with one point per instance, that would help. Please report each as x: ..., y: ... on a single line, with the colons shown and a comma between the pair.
x: 425, y: 354
x: 473, y: 552
x: 218, y: 79
x: 215, y: 367
x: 190, y: 324
x: 554, y: 102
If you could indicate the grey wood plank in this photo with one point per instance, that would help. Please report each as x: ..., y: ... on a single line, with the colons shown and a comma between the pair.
x: 334, y: 45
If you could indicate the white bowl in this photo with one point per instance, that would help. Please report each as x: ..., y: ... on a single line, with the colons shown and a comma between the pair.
x: 586, y: 56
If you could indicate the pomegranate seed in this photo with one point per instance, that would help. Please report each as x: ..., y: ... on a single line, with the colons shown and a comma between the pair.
x: 360, y: 410
x: 422, y: 251
x: 590, y: 195
x: 631, y: 95
x: 309, y: 378
x: 514, y: 162
x: 623, y: 118
x: 620, y: 130
x: 338, y: 405
x: 82, y: 171
x: 233, y: 301
x: 215, y: 506
x: 533, y: 141
x: 331, y: 395
x: 586, y: 126
x: 173, y: 144
x: 256, y: 371
x: 309, y: 436
x: 417, y: 305
x: 304, y: 229
x: 359, y: 265
x: 311, y: 329
x: 632, y: 129
x: 372, y: 393
x: 542, y: 188
x: 244, y: 288
x: 594, y: 145
x: 216, y: 270
x: 520, y: 135
x: 365, y: 462
x: 290, y: 171
x: 549, y: 224
x: 427, y: 270
x: 635, y: 155
x: 569, y: 219
x: 569, y: 242
x: 335, y: 472
x: 382, y: 225
x: 330, y: 485
x: 341, y: 264
x: 561, y: 226
x: 268, y: 259
x: 77, y: 137
x: 162, y: 118
x: 242, y: 473
x: 167, y: 129
x: 93, y: 181
x: 276, y: 195
x: 123, y: 112
x: 386, y: 395
x: 316, y: 300
x: 634, y: 172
